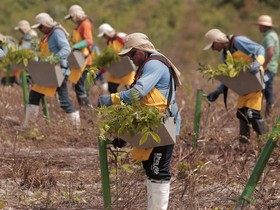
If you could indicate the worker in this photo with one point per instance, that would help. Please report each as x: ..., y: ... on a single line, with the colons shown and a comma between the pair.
x: 54, y: 41
x: 249, y: 105
x: 82, y: 38
x: 156, y: 78
x: 270, y: 43
x: 30, y: 36
x: 116, y: 41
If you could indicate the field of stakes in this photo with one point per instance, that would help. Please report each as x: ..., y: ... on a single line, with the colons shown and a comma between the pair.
x: 53, y: 166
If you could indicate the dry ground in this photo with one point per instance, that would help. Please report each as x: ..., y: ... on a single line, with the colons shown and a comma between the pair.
x: 52, y: 166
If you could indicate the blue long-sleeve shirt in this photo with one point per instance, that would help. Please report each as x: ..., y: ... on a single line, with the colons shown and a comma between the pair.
x: 58, y: 44
x: 155, y: 74
x: 246, y: 46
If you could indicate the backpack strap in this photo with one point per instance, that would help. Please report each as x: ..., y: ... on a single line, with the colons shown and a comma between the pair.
x: 163, y: 60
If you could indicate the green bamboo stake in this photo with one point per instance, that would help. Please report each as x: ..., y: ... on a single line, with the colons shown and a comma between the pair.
x: 45, y: 108
x: 104, y: 173
x: 249, y: 189
x: 199, y: 95
x: 24, y: 87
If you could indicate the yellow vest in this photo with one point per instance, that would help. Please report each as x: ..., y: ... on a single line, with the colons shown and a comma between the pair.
x: 251, y: 100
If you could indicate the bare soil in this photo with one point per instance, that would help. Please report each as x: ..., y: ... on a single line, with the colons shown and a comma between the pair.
x: 50, y: 165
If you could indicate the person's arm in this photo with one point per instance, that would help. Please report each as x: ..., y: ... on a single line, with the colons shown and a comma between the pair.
x: 268, y: 56
x: 62, y: 43
x: 153, y: 71
x: 87, y: 37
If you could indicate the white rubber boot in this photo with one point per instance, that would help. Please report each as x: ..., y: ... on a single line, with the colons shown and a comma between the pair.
x: 74, y: 118
x: 31, y: 112
x: 158, y: 194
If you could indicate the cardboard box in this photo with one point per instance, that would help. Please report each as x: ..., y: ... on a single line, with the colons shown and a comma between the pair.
x: 244, y: 83
x: 166, y: 132
x: 45, y: 74
x: 121, y: 68
x: 76, y: 59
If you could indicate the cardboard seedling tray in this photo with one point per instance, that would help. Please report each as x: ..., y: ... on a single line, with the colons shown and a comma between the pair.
x: 166, y: 132
x: 244, y: 83
x: 45, y: 74
x: 121, y: 68
x: 76, y: 59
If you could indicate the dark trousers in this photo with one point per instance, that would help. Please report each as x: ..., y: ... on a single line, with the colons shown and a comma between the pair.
x: 80, y: 86
x: 113, y: 87
x: 158, y: 165
x: 268, y: 91
x: 63, y: 96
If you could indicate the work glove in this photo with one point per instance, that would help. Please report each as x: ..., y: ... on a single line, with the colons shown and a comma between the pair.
x: 255, y: 67
x: 215, y: 94
x: 104, y: 100
x: 80, y: 45
x: 118, y: 142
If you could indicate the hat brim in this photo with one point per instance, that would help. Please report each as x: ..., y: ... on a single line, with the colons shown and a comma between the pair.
x: 67, y: 17
x: 208, y: 46
x: 264, y: 24
x: 124, y: 52
x: 36, y: 25
x: 100, y: 35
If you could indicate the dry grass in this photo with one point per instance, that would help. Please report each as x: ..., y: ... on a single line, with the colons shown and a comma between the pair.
x: 52, y: 166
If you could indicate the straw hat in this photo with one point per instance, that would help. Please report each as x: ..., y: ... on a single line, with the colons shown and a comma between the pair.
x: 24, y: 26
x: 74, y: 10
x: 214, y: 35
x: 45, y: 20
x: 141, y: 42
x: 265, y: 20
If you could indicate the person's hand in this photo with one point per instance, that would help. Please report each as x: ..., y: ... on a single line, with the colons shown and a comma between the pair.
x: 104, y: 100
x: 255, y: 67
x: 118, y: 142
x: 213, y: 95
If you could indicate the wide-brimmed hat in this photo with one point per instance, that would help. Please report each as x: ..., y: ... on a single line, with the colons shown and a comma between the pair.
x: 141, y: 41
x: 265, y: 20
x: 137, y: 41
x: 106, y: 29
x: 74, y: 10
x: 23, y: 25
x: 214, y: 35
x: 45, y: 20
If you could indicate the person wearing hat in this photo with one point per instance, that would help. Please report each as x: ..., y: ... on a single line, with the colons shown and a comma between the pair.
x: 54, y: 41
x: 271, y: 45
x: 7, y: 42
x: 82, y: 38
x: 155, y: 79
x: 249, y: 105
x: 29, y: 38
x: 115, y: 40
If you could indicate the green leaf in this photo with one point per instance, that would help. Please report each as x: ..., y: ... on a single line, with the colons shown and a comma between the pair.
x: 155, y: 137
x: 144, y: 138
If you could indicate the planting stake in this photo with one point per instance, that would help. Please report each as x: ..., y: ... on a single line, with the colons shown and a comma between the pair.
x: 244, y: 199
x: 24, y: 87
x: 104, y: 173
x: 199, y: 95
x: 45, y: 108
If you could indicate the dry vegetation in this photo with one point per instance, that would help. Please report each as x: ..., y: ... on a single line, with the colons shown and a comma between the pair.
x: 52, y: 166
